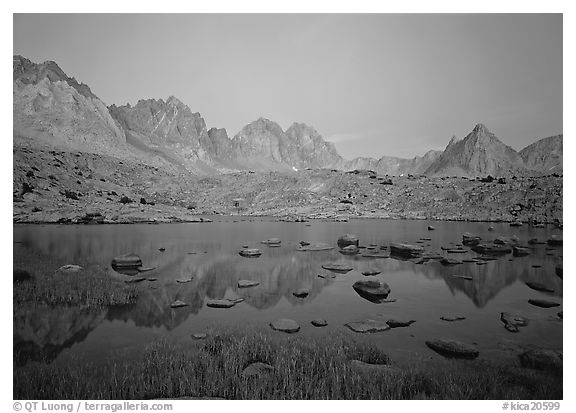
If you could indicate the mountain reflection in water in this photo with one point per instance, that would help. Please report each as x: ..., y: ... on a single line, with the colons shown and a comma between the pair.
x: 208, y: 253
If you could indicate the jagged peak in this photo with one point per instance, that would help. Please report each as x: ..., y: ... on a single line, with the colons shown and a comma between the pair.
x: 481, y: 128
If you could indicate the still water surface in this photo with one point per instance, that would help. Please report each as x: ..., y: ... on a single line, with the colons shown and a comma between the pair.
x: 208, y: 252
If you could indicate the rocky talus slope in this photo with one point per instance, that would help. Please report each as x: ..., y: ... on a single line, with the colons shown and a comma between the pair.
x: 78, y: 187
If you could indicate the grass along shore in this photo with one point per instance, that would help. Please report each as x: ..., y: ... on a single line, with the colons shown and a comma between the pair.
x: 303, y: 368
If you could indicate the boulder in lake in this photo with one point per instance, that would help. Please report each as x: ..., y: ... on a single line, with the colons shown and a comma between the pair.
x: 337, y: 267
x: 372, y: 290
x: 199, y: 336
x: 370, y: 272
x: 127, y: 264
x: 319, y: 322
x: 539, y: 287
x: 314, y: 246
x: 220, y: 303
x: 491, y: 249
x: 503, y: 240
x: 247, y: 283
x: 453, y: 349
x: 398, y: 323
x: 520, y: 251
x: 348, y: 239
x: 349, y: 250
x: 367, y: 326
x: 272, y: 242
x: 69, y: 269
x: 452, y: 318
x: 285, y: 325
x: 134, y: 280
x: 450, y: 261
x: 406, y: 250
x: 250, y: 252
x: 301, y: 293
x: 513, y: 322
x: 542, y: 359
x: 470, y: 239
x: 178, y: 304
x: 543, y: 303
x: 431, y: 228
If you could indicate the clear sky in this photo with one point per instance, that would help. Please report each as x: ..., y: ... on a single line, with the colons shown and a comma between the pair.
x: 375, y: 84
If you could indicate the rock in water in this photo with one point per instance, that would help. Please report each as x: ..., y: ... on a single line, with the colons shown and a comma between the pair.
x: 397, y: 323
x: 450, y: 261
x: 543, y: 303
x: 178, y: 304
x: 127, y: 264
x: 470, y: 239
x: 406, y: 250
x: 491, y: 249
x: 431, y: 228
x: 134, y: 280
x: 272, y: 242
x: 370, y: 272
x: 220, y: 303
x: 539, y: 287
x: 453, y: 349
x: 337, y: 267
x: 250, y: 252
x: 372, y: 290
x: 520, y: 251
x: 315, y: 246
x: 199, y: 336
x: 513, y: 322
x: 247, y: 283
x: 257, y: 370
x: 286, y: 325
x: 70, y: 269
x: 319, y: 322
x: 452, y: 318
x: 367, y: 326
x: 301, y: 293
x: 555, y: 240
x: 348, y: 239
x: 542, y: 359
x: 349, y: 250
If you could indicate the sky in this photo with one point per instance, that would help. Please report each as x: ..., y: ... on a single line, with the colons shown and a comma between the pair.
x: 374, y: 84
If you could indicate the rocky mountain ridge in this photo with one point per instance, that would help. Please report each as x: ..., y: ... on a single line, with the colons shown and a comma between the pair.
x: 53, y: 109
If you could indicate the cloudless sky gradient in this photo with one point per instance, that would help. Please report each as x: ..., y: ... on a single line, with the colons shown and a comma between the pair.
x: 374, y: 84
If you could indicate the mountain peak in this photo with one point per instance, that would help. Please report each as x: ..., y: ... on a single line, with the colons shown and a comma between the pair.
x: 480, y: 128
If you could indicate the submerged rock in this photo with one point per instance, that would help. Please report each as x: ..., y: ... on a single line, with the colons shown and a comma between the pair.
x: 539, y: 287
x: 348, y: 239
x: 453, y: 349
x: 397, y: 323
x: 452, y: 318
x: 301, y: 293
x: 406, y: 250
x: 285, y: 325
x: 520, y: 251
x: 512, y: 322
x: 337, y: 267
x: 247, y: 283
x: 470, y: 239
x: 349, y: 250
x: 134, y: 280
x: 220, y: 303
x: 127, y: 264
x: 315, y: 246
x: 370, y: 272
x: 250, y: 252
x: 450, y: 261
x: 492, y: 249
x: 543, y: 303
x: 272, y: 242
x: 178, y: 304
x: 367, y: 326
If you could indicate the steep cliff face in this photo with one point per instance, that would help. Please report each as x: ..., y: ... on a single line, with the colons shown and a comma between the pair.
x: 57, y: 110
x: 544, y: 155
x: 480, y: 153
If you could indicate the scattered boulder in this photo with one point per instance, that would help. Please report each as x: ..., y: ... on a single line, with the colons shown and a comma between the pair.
x: 406, y: 250
x: 184, y: 280
x: 127, y: 264
x: 367, y: 326
x: 220, y: 303
x: 319, y: 322
x: 69, y: 269
x: 257, y: 370
x: 543, y: 303
x: 452, y: 318
x: 301, y: 293
x: 502, y: 240
x: 337, y: 267
x: 431, y: 228
x: 272, y: 242
x: 349, y: 250
x: 178, y: 304
x: 250, y: 253
x: 370, y: 272
x: 491, y: 249
x: 247, y: 283
x: 134, y: 280
x: 512, y: 322
x: 348, y: 239
x: 520, y: 251
x: 199, y: 336
x: 285, y: 325
x: 453, y: 349
x: 470, y: 239
x: 539, y: 287
x: 397, y: 323
x: 315, y: 246
x: 450, y: 261
x: 542, y: 359
x: 372, y: 290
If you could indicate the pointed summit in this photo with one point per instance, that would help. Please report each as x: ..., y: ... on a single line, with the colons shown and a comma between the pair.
x: 480, y: 128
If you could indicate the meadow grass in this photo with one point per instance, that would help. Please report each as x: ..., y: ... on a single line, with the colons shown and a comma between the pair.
x: 94, y: 286
x: 304, y: 368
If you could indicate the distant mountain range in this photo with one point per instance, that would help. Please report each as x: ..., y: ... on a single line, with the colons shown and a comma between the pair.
x: 51, y: 108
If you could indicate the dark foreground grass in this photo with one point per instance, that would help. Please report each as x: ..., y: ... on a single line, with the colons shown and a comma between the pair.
x: 94, y: 286
x: 304, y: 368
